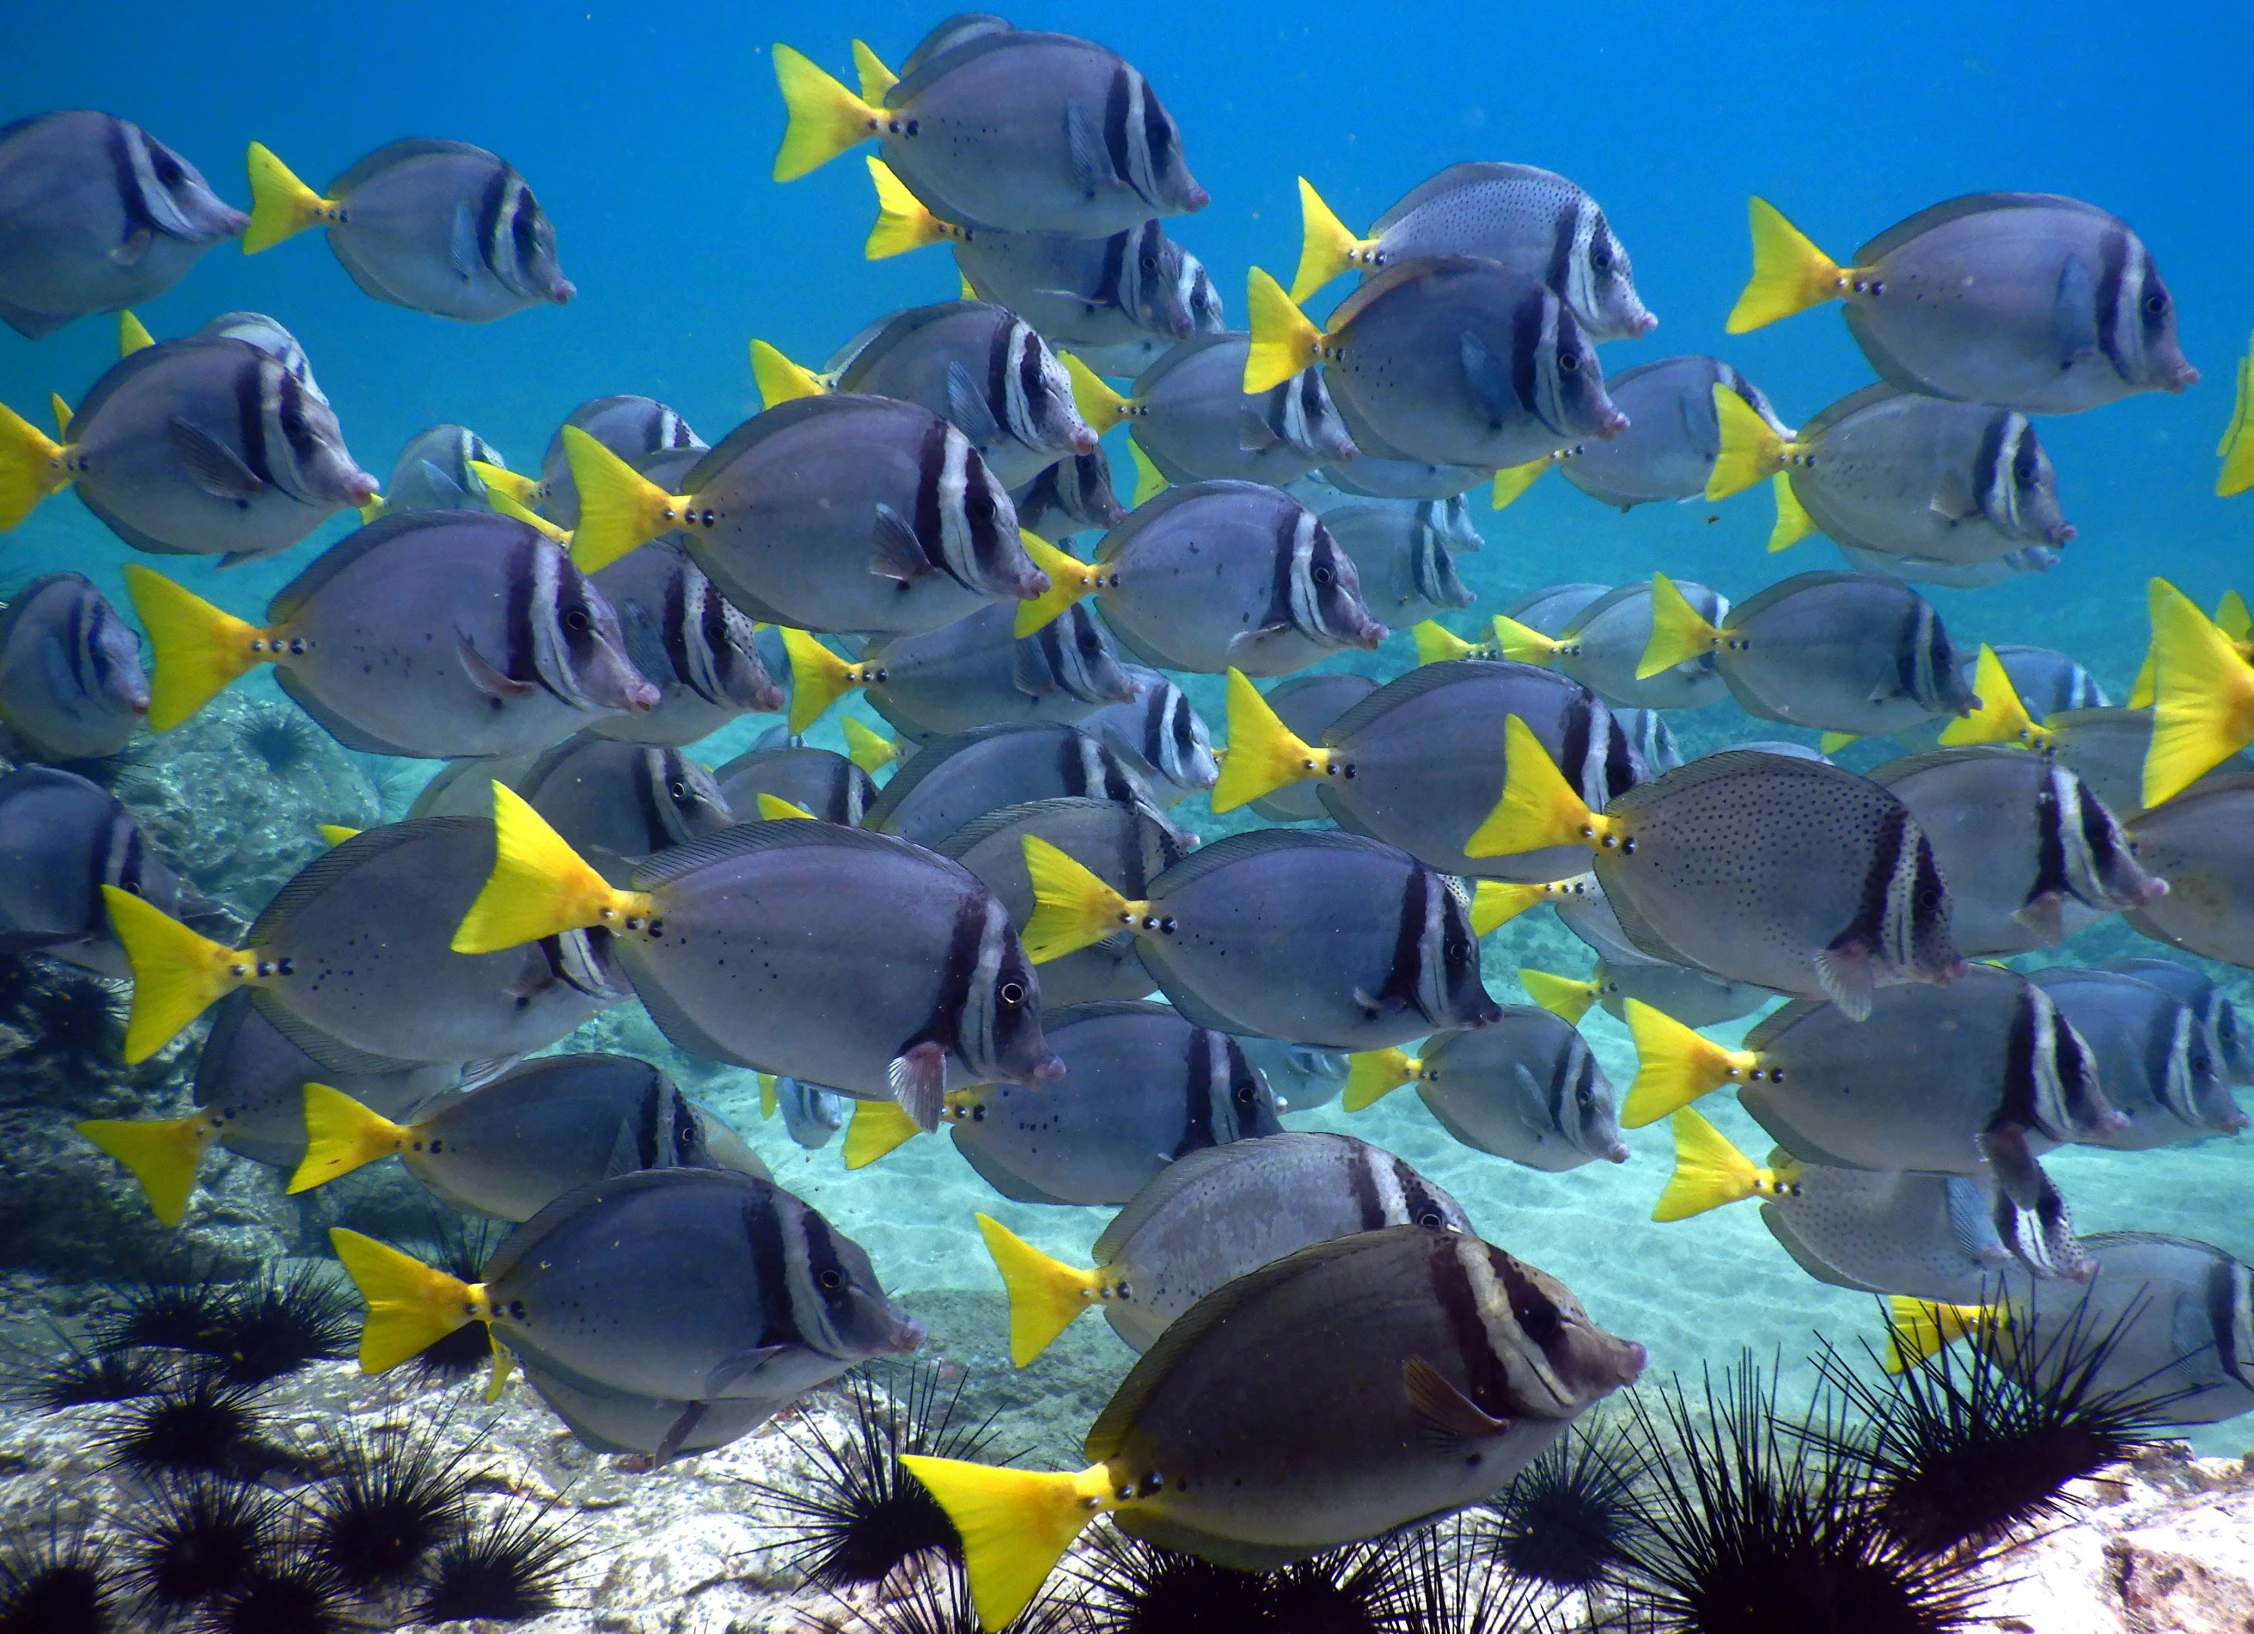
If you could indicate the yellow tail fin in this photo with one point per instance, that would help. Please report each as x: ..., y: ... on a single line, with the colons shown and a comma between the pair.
x: 176, y: 973
x: 132, y: 335
x: 516, y: 484
x: 163, y: 1153
x: 499, y: 500
x: 868, y: 749
x: 1436, y: 643
x: 1562, y: 996
x: 2001, y: 717
x: 1793, y: 522
x: 1284, y: 341
x: 1150, y: 481
x: 1789, y: 273
x: 411, y: 1306
x: 1679, y: 632
x: 1097, y: 402
x: 1264, y: 754
x: 1070, y: 579
x: 198, y: 649
x: 1917, y: 1329
x: 767, y: 1101
x: 1528, y: 645
x: 1710, y: 1172
x: 876, y: 1128
x: 335, y: 833
x: 779, y: 379
x: 1538, y: 808
x: 826, y: 119
x: 619, y: 508
x: 1072, y: 909
x: 1372, y: 1075
x: 876, y: 79
x: 1326, y: 248
x: 1751, y: 448
x: 1830, y: 743
x: 1045, y: 1294
x: 2233, y: 618
x: 1015, y: 1525
x: 341, y: 1135
x: 1674, y: 1065
x: 1513, y: 480
x: 773, y: 808
x: 902, y: 223
x: 281, y: 206
x: 31, y: 467
x: 2236, y: 450
x: 2203, y: 696
x: 539, y: 885
x: 61, y: 412
x: 1496, y: 902
x: 818, y: 678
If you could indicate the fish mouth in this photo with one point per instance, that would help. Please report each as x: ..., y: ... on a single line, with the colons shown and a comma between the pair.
x: 639, y: 697
x: 907, y: 1335
x: 359, y: 488
x: 1032, y: 584
x: 2062, y: 534
x: 1195, y: 198
x: 1617, y: 1152
x: 1082, y: 441
x: 562, y: 292
x: 1369, y: 635
x: 1611, y: 424
x: 2181, y: 378
x: 1051, y: 1066
x: 227, y: 222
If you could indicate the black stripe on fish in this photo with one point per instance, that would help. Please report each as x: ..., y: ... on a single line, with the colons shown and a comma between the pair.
x: 822, y: 1260
x: 2050, y: 842
x: 931, y: 474
x: 1565, y: 233
x: 1000, y: 358
x: 2113, y: 265
x: 1279, y: 610
x: 1197, y: 1097
x: 957, y: 970
x: 489, y: 224
x: 1158, y: 137
x: 1369, y: 1207
x: 250, y: 418
x: 1526, y: 351
x: 2019, y: 1088
x: 1111, y: 281
x: 650, y: 799
x: 647, y: 1127
x: 1991, y: 469
x: 524, y: 238
x: 1404, y: 978
x: 1032, y: 386
x: 128, y: 181
x: 770, y: 1268
x: 86, y: 662
x: 673, y: 626
x: 520, y: 653
x: 1576, y: 730
x: 1418, y: 1204
x: 1487, y: 1379
x: 1867, y: 929
x: 2230, y: 1299
x: 1116, y: 99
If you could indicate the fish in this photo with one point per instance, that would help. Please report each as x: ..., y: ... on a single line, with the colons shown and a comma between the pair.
x: 2155, y: 1055
x: 204, y: 446
x: 1926, y: 1236
x: 435, y: 634
x: 464, y: 788
x: 1025, y: 131
x: 811, y: 1114
x: 71, y: 686
x: 1402, y: 557
x: 1127, y: 845
x: 1072, y: 496
x: 1891, y: 473
x: 782, y: 989
x: 268, y: 335
x: 1653, y: 738
x: 1672, y: 440
x: 1525, y: 1088
x: 433, y: 226
x: 1838, y: 652
x: 2202, y: 695
x: 2032, y: 856
x: 1463, y: 1362
x: 1787, y: 873
x: 2044, y: 680
x: 1191, y: 417
x: 2228, y: 1038
x: 734, y: 1289
x: 95, y: 215
x: 62, y: 841
x: 1317, y: 938
x: 1160, y: 736
x: 1692, y: 997
x: 435, y: 472
x: 2196, y: 842
x: 821, y: 781
x: 974, y: 672
x: 1952, y: 575
x: 1142, y: 1086
x: 1300, y: 1079
x: 1533, y: 221
x: 1308, y: 706
x: 1602, y: 646
x: 618, y: 803
x: 956, y: 780
x: 652, y: 1428
x: 516, y: 1143
x: 1393, y: 476
x: 683, y: 636
x: 1419, y: 761
x: 1167, y: 1248
x: 634, y: 428
x: 826, y: 513
x: 1450, y: 359
x: 2236, y: 450
x: 2028, y: 301
x: 1216, y: 575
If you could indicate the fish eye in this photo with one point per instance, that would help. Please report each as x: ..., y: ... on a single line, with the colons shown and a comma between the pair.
x: 1245, y: 1096
x: 1585, y: 1100
x: 678, y: 789
x: 1539, y: 1322
x: 1929, y: 896
x: 1601, y: 260
x: 831, y: 1279
x: 2155, y: 302
x: 1430, y: 1220
x: 1322, y: 575
x: 576, y: 621
x: 1150, y: 263
x: 167, y: 168
x: 978, y: 505
x: 1568, y: 362
x: 1013, y: 993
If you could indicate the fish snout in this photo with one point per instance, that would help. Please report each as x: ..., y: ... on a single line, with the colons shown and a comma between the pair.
x: 228, y: 222
x: 1032, y: 583
x: 562, y: 291
x: 359, y: 487
x: 1050, y: 1066
x: 1611, y: 424
x: 1369, y: 634
x: 2182, y: 377
x: 907, y: 1335
x: 1617, y: 1152
x: 1083, y: 441
x: 2062, y: 534
x: 1647, y: 323
x: 1195, y: 198
x: 1628, y: 1363
x: 639, y: 695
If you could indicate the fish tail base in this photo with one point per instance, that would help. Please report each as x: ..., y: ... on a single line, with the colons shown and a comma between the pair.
x: 1789, y: 273
x: 1015, y: 1524
x: 341, y: 1135
x: 176, y: 973
x: 826, y: 119
x: 411, y: 1306
x: 281, y: 206
x: 1045, y: 1294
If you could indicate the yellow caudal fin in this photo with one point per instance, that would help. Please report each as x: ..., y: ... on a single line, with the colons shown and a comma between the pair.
x: 1150, y: 481
x: 163, y: 1153
x: 132, y: 335
x: 1326, y: 248
x: 1793, y: 522
x: 1513, y: 480
x: 1264, y: 754
x: 1709, y: 1171
x: 1098, y: 404
x: 281, y: 206
x: 779, y: 379
x: 335, y: 833
x: 31, y: 467
x: 1371, y: 1075
x: 818, y: 678
x: 876, y: 78
x: 868, y: 749
x: 1562, y: 996
x: 1069, y: 580
x: 2140, y: 689
x: 2237, y: 447
x: 500, y: 500
x: 1830, y: 743
x: 2001, y: 717
x: 1496, y: 902
x: 1918, y: 1329
x: 539, y: 885
x: 1528, y: 645
x: 341, y: 1135
x: 1284, y: 340
x: 1015, y: 1525
x: 876, y: 1128
x: 767, y: 1101
x: 61, y: 411
x: 826, y: 119
x: 1679, y: 632
x: 1751, y: 448
x: 198, y: 649
x: 902, y: 223
x: 1789, y: 273
x: 411, y: 1306
x: 773, y: 808
x: 1072, y: 908
x: 1674, y: 1065
x: 1436, y: 643
x: 373, y: 511
x: 1538, y: 808
x: 498, y: 479
x: 2202, y: 696
x: 2233, y: 618
x: 176, y: 973
x: 619, y: 508
x: 1045, y: 1294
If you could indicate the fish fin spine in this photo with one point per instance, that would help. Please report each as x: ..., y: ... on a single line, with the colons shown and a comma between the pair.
x: 1371, y: 1075
x: 341, y: 1135
x: 1674, y: 1065
x: 1563, y: 996
x: 1264, y: 754
x: 1326, y: 247
x: 825, y: 119
x: 1679, y: 632
x: 876, y: 1127
x: 2202, y: 696
x: 411, y: 1306
x: 176, y: 973
x: 163, y: 1154
x: 1538, y: 808
x: 281, y: 206
x: 539, y: 886
x: 32, y: 466
x: 1015, y: 1524
x: 1284, y: 339
x: 1045, y: 1294
x: 1789, y: 273
x: 619, y: 508
x: 1070, y: 579
x: 1072, y: 908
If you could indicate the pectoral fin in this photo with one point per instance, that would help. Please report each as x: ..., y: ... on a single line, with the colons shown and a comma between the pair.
x: 968, y: 408
x: 918, y: 1081
x: 896, y: 552
x: 1849, y: 976
x: 1451, y: 1421
x: 217, y: 469
x: 484, y: 676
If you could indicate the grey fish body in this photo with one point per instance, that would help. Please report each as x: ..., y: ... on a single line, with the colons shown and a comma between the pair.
x: 1299, y: 1078
x: 71, y: 686
x: 1069, y: 497
x: 1215, y: 1214
x: 1231, y: 574
x: 1610, y: 635
x: 2106, y: 748
x: 2047, y: 681
x: 1124, y: 845
x: 821, y: 781
x: 1090, y: 291
x: 62, y: 839
x: 1402, y: 557
x: 2232, y: 1045
x: 1842, y: 652
x: 96, y: 214
x: 700, y: 653
x: 2027, y: 300
x: 1952, y: 575
x: 1395, y: 476
x: 977, y: 672
x: 447, y: 633
x: 2155, y: 1057
x: 1923, y: 1236
x: 445, y: 228
x: 1309, y: 705
x: 1653, y: 738
x: 1551, y: 608
x: 652, y: 1427
x: 1526, y: 1088
x: 1159, y: 735
x: 268, y: 335
x: 634, y: 428
x: 616, y: 803
x: 957, y: 780
x: 1142, y: 1086
x: 464, y: 788
x: 1197, y: 423
x: 1668, y: 450
x: 1314, y: 938
x: 210, y: 447
x: 2197, y: 843
x: 433, y: 472
x: 1696, y: 998
x: 811, y: 1114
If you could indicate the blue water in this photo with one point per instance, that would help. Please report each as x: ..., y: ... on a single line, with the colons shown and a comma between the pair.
x: 648, y: 133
